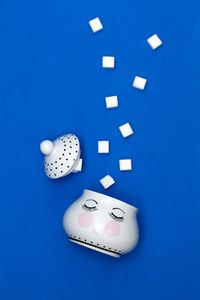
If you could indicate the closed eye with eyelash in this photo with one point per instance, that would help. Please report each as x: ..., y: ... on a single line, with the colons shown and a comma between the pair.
x: 116, y: 218
x: 89, y: 208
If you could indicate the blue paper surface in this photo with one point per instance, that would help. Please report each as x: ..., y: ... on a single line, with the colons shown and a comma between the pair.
x: 51, y: 83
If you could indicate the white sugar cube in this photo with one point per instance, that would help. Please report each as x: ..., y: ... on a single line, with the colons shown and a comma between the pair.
x: 103, y: 146
x: 78, y: 167
x: 108, y: 62
x: 107, y: 181
x: 125, y: 164
x: 126, y: 130
x: 154, y: 41
x: 111, y: 102
x: 96, y: 25
x: 139, y: 83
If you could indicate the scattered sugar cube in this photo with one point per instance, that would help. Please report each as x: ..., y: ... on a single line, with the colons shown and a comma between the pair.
x: 107, y: 181
x: 154, y: 41
x: 108, y: 62
x: 103, y: 146
x: 139, y: 83
x: 78, y: 167
x: 125, y: 164
x: 126, y: 130
x: 96, y: 25
x: 111, y: 102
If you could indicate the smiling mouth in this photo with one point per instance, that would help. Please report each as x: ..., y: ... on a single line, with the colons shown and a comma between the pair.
x: 95, y: 247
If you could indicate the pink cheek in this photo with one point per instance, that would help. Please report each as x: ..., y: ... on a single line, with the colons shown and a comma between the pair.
x: 112, y: 228
x: 85, y: 219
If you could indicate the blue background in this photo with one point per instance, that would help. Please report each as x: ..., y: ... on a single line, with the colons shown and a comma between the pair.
x: 51, y: 83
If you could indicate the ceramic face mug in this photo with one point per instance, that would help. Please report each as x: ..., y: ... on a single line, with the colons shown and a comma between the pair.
x: 102, y: 223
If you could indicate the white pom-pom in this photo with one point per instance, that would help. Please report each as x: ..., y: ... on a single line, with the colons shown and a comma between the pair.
x: 46, y: 147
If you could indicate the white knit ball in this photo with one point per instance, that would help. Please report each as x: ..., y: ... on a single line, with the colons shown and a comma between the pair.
x: 46, y: 147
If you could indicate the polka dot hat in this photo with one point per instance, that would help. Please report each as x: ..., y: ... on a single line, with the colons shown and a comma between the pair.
x: 61, y: 155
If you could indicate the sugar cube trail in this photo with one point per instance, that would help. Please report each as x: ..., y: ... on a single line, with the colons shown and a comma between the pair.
x: 103, y: 147
x: 96, y: 25
x: 108, y: 62
x: 111, y: 102
x: 107, y: 181
x: 125, y: 164
x: 126, y: 130
x: 154, y: 41
x: 139, y: 82
x: 79, y: 165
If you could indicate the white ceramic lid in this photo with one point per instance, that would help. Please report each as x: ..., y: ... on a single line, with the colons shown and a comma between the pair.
x: 61, y: 155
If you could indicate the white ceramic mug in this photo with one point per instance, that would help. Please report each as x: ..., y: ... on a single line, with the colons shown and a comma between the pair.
x: 102, y: 223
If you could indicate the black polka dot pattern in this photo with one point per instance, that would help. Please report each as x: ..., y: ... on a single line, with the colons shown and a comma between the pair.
x: 97, y: 246
x: 64, y: 157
